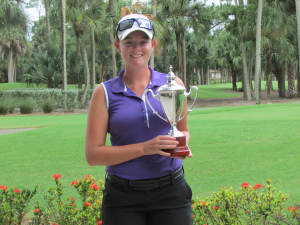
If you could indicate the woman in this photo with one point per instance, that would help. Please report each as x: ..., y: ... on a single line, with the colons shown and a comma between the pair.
x: 144, y: 185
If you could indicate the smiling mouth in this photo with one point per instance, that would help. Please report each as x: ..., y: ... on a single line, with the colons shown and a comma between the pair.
x: 136, y: 56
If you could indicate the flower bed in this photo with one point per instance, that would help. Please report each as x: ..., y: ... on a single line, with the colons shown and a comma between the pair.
x: 256, y: 204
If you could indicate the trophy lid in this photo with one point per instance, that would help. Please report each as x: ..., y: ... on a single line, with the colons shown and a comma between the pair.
x: 171, y: 84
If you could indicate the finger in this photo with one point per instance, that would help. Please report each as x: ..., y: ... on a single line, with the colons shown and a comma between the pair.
x: 191, y: 154
x: 166, y: 137
x: 162, y: 153
x: 178, y: 157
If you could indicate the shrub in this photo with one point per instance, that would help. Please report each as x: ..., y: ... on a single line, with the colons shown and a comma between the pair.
x: 252, y: 205
x: 27, y: 106
x: 48, y: 105
x: 6, y: 105
x: 14, y: 204
x: 57, y: 211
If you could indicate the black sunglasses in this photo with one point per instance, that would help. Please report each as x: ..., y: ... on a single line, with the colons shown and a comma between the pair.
x: 127, y: 24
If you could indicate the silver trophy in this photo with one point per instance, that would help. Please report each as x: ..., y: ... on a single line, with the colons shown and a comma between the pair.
x: 172, y: 97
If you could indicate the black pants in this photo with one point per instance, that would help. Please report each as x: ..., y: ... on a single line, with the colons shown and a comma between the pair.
x: 161, y: 206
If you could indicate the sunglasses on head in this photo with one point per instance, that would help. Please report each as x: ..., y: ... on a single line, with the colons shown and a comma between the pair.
x: 127, y: 24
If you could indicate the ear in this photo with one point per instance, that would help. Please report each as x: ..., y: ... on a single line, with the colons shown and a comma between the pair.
x: 117, y: 45
x: 153, y: 44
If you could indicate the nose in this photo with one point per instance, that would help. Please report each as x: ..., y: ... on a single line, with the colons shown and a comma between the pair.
x: 136, y: 46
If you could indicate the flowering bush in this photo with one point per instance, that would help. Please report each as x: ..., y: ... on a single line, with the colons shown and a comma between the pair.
x: 14, y: 204
x: 256, y: 204
x: 57, y: 211
x: 251, y: 205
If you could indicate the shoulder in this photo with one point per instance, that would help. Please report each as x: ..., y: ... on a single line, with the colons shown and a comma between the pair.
x: 179, y: 81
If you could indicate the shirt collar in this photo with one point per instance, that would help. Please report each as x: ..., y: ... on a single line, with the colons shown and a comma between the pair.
x: 157, y: 79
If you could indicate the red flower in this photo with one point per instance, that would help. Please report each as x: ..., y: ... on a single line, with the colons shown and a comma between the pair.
x: 245, y: 185
x: 204, y: 203
x: 56, y: 176
x: 94, y: 186
x: 72, y: 199
x: 23, y: 214
x: 54, y: 224
x: 292, y: 209
x: 17, y: 191
x: 2, y: 187
x: 87, y: 204
x: 72, y: 204
x: 36, y: 211
x: 216, y: 208
x: 100, y: 223
x: 257, y: 186
x: 74, y: 183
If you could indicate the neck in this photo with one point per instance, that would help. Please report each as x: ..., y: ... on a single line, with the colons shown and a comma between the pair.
x: 140, y: 76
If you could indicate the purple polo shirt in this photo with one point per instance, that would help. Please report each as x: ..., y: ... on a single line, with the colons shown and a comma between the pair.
x: 132, y: 121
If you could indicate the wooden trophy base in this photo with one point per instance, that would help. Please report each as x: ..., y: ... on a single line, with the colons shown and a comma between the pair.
x: 181, y: 150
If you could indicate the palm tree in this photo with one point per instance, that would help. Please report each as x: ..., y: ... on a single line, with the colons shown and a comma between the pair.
x: 63, y: 30
x: 258, y: 53
x: 247, y: 89
x: 75, y: 16
x: 176, y: 13
x: 298, y: 34
x: 13, y: 29
x: 111, y: 36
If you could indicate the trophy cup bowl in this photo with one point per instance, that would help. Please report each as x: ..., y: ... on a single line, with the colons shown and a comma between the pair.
x: 172, y: 97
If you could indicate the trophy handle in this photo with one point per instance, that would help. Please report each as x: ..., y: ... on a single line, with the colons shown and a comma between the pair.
x: 157, y: 98
x: 187, y: 95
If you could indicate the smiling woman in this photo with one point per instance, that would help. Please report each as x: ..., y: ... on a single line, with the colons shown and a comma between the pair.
x: 136, y: 165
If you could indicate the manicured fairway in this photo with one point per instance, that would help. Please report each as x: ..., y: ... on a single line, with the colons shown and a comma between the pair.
x: 231, y: 145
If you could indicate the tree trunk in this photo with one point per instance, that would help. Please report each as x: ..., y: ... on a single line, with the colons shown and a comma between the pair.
x: 257, y: 76
x: 10, y: 75
x: 198, y: 76
x: 185, y: 81
x: 291, y: 82
x: 233, y: 75
x: 47, y: 12
x: 202, y: 76
x: 298, y: 32
x: 154, y: 3
x: 93, y: 58
x: 247, y: 91
x: 111, y: 35
x: 86, y: 69
x: 179, y: 56
x: 268, y: 72
x: 64, y: 57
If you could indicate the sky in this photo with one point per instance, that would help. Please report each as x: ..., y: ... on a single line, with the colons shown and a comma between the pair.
x: 34, y: 15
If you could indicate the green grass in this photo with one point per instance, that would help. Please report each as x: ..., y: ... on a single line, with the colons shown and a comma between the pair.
x: 9, y: 86
x: 231, y: 145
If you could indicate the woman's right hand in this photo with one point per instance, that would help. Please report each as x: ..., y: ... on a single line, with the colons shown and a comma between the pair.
x: 156, y: 145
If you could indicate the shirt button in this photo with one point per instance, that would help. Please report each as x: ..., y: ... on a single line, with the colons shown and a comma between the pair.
x: 143, y: 111
x: 142, y: 102
x: 145, y: 121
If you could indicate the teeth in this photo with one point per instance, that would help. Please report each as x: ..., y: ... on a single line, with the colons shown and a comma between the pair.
x: 135, y: 56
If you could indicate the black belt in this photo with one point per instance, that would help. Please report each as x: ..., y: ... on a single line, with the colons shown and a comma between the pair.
x: 150, y: 184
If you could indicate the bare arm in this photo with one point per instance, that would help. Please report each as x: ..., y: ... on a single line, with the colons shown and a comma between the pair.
x: 97, y: 153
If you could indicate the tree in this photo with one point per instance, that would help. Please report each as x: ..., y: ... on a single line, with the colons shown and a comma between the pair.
x: 298, y: 34
x: 247, y: 89
x: 75, y: 15
x: 13, y: 28
x: 177, y: 13
x: 111, y: 36
x: 63, y: 31
x: 257, y: 82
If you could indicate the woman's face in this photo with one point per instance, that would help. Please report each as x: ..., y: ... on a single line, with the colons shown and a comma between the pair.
x: 136, y: 49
